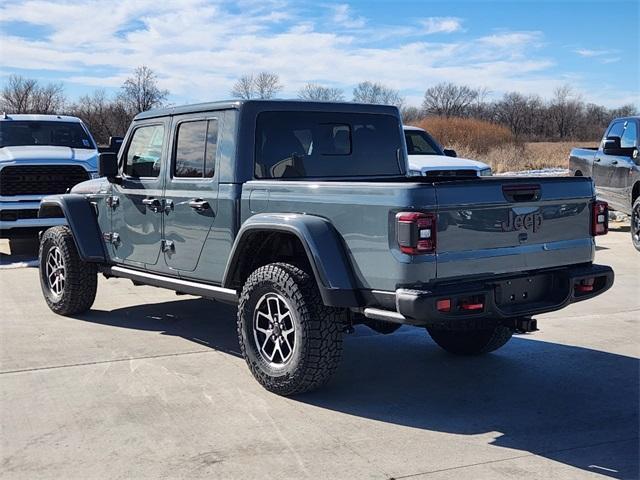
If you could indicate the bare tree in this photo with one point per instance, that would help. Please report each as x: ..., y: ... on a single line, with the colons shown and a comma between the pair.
x: 564, y: 111
x: 450, y: 100
x: 26, y: 95
x: 411, y: 114
x: 372, y: 92
x: 267, y: 85
x: 313, y: 91
x: 244, y: 88
x: 103, y: 116
x: 517, y: 112
x: 264, y: 85
x: 140, y: 92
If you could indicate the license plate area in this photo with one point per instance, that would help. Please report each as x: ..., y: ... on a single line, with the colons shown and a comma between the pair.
x: 525, y: 290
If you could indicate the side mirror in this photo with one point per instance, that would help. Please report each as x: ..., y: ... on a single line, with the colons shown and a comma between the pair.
x: 115, y: 143
x: 108, y: 165
x: 611, y: 146
x: 449, y: 152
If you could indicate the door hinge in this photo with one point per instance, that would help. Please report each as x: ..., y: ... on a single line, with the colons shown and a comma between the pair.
x: 167, y: 246
x: 111, y: 237
x: 112, y: 201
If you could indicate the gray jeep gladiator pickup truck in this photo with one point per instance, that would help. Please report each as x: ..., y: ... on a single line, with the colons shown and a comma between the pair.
x: 302, y: 213
x: 615, y: 168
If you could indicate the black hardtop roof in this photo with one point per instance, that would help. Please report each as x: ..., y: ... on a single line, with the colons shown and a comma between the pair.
x: 266, y: 105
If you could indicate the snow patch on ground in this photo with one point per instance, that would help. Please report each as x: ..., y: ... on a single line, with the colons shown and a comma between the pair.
x: 543, y: 172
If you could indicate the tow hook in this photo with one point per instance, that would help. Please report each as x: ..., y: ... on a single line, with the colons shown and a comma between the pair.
x: 522, y: 325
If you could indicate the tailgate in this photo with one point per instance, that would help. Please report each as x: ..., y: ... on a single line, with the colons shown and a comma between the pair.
x: 504, y: 225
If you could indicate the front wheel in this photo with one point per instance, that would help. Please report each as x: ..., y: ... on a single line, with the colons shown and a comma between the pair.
x: 291, y: 342
x: 635, y: 224
x: 471, y: 342
x: 69, y: 285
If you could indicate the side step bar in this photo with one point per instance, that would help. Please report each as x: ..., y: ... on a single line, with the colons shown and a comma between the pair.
x: 184, y: 286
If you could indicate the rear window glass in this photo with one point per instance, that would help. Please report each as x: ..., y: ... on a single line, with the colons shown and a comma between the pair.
x: 37, y: 132
x: 319, y: 144
x: 196, y: 147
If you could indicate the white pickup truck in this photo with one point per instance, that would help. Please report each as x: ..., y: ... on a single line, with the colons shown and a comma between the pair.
x: 427, y: 158
x: 40, y: 155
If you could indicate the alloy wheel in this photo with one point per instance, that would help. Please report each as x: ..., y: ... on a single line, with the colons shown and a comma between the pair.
x: 55, y: 271
x: 274, y: 330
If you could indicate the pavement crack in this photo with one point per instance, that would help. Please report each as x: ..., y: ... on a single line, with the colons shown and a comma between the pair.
x: 100, y: 362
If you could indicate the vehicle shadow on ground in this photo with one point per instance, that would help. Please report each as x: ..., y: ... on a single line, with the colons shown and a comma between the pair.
x: 573, y: 405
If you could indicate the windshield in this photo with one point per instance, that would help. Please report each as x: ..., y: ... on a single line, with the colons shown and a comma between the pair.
x: 15, y: 133
x: 420, y: 142
x: 325, y: 144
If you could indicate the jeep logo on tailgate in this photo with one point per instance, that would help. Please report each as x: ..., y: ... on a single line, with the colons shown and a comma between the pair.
x: 530, y: 221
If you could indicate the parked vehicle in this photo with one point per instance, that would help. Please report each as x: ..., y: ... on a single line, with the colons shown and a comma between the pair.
x: 428, y: 158
x: 303, y: 215
x: 615, y: 168
x: 40, y: 155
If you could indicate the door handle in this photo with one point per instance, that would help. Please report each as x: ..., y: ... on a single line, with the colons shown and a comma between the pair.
x: 597, y: 160
x: 198, y: 204
x: 615, y: 162
x: 153, y: 203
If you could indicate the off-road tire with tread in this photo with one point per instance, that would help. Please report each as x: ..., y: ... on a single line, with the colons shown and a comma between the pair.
x: 471, y: 342
x: 81, y: 278
x: 318, y: 336
x: 635, y: 222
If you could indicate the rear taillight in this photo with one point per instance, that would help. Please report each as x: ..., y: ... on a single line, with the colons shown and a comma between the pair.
x: 416, y: 232
x: 599, y: 218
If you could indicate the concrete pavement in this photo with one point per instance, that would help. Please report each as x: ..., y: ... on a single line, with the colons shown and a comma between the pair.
x: 151, y: 385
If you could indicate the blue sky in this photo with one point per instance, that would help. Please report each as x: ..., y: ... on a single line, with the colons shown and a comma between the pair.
x: 200, y: 47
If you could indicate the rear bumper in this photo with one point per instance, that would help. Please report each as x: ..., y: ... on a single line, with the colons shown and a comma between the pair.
x: 506, y: 297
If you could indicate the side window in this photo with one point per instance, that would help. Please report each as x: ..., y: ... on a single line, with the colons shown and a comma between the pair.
x: 196, y: 146
x: 144, y: 153
x: 629, y: 138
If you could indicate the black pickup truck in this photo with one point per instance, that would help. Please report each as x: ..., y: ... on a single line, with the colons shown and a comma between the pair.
x: 615, y: 169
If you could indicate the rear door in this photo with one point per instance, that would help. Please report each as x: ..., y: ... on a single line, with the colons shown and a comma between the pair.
x: 622, y: 168
x: 495, y: 225
x: 191, y: 192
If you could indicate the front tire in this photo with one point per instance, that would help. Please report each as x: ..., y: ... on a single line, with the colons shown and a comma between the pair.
x: 635, y: 224
x: 69, y: 285
x: 291, y: 342
x: 471, y: 342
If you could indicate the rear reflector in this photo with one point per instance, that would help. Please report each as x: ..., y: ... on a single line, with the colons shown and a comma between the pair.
x: 585, y: 285
x: 416, y: 232
x: 599, y: 218
x: 444, y: 305
x: 471, y: 306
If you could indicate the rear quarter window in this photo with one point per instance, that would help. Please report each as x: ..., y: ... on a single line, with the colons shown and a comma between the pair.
x: 325, y: 145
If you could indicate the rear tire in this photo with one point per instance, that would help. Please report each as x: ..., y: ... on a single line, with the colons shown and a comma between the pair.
x: 471, y: 342
x: 291, y: 342
x: 69, y: 285
x: 635, y: 224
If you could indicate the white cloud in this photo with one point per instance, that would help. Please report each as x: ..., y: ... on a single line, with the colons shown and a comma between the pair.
x: 199, y: 48
x: 441, y: 25
x: 344, y: 17
x: 585, y: 52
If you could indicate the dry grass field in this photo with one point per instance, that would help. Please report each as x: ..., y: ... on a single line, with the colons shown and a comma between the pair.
x: 526, y: 156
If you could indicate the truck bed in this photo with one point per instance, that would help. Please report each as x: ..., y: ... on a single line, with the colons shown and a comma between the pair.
x: 484, y: 225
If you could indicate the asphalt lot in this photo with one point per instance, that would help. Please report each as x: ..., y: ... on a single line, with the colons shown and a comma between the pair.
x: 151, y: 385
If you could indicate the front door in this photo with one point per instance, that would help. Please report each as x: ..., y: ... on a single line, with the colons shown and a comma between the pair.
x: 191, y: 192
x: 137, y: 199
x: 603, y: 165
